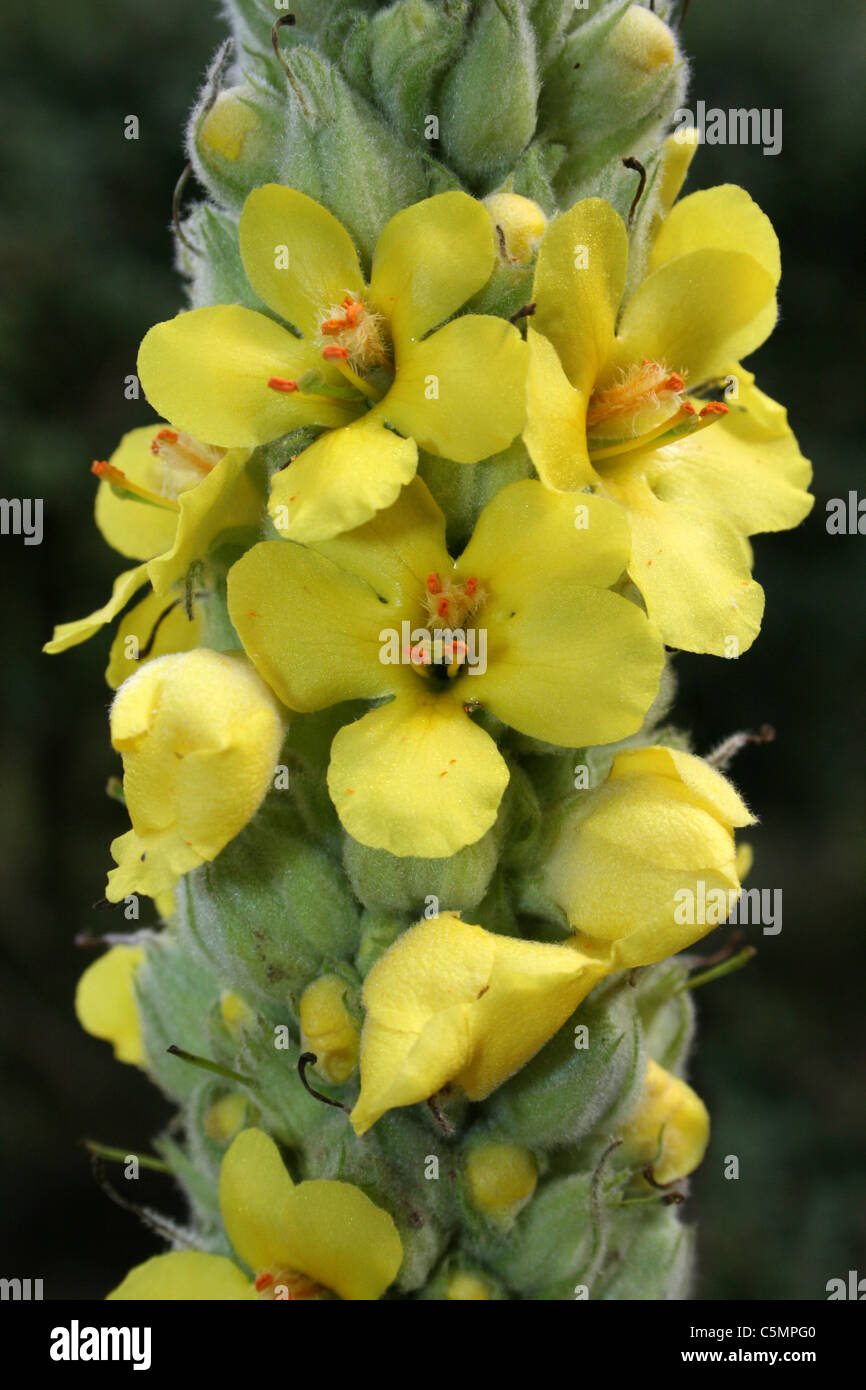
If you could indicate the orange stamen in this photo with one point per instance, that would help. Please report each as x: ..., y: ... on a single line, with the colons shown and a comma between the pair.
x: 442, y: 607
x: 714, y: 408
x: 334, y: 325
x: 333, y: 350
x: 434, y: 583
x: 263, y: 1281
x: 471, y: 586
x: 107, y: 472
x: 169, y: 437
x: 282, y: 383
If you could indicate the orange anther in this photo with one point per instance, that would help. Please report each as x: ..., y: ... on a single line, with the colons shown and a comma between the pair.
x: 471, y: 586
x: 334, y: 350
x: 263, y: 1280
x: 687, y: 408
x: 334, y: 326
x: 442, y: 607
x: 434, y: 583
x: 282, y: 383
x: 674, y: 383
x: 714, y: 408
x: 354, y: 310
x: 99, y: 468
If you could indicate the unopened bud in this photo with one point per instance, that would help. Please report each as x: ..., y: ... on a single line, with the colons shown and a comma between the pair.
x: 670, y: 1127
x: 328, y: 1029
x: 521, y: 224
x: 500, y: 1178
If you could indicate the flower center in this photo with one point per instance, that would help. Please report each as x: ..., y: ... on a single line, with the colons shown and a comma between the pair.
x: 647, y: 405
x: 358, y: 335
x: 451, y: 641
x: 185, y: 461
x: 288, y: 1285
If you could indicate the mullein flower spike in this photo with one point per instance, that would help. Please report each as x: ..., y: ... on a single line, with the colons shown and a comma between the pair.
x: 454, y: 439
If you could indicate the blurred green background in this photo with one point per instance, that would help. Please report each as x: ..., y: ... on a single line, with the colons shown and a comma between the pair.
x: 87, y: 266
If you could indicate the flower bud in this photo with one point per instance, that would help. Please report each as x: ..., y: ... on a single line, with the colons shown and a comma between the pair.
x: 521, y: 223
x: 467, y: 1286
x: 337, y: 149
x: 554, y: 1241
x: 235, y: 144
x: 500, y: 1178
x: 199, y: 733
x: 410, y: 43
x: 669, y: 1128
x: 655, y: 1255
x: 486, y: 122
x: 226, y: 1117
x: 645, y: 865
x: 105, y: 1002
x: 389, y: 883
x: 328, y: 1029
x: 614, y: 86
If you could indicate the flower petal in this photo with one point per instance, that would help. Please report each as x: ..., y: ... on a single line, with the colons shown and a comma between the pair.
x: 567, y: 661
x: 208, y: 371
x: 441, y: 1006
x: 135, y: 529
x: 155, y: 627
x: 694, y: 572
x: 416, y: 777
x: 70, y: 634
x: 724, y: 217
x: 184, y: 1274
x: 341, y: 1239
x: 398, y: 549
x: 310, y: 628
x: 706, y: 786
x: 529, y: 537
x: 579, y: 282
x: 341, y: 481
x: 748, y: 466
x: 281, y: 227
x: 200, y: 734
x: 461, y: 392
x: 555, y: 432
x: 429, y: 260
x: 255, y: 1194
x: 105, y: 1002
x: 696, y: 314
x: 224, y: 501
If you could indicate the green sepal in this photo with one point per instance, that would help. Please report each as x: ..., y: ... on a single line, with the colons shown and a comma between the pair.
x: 273, y: 910
x: 175, y: 993
x: 568, y: 1092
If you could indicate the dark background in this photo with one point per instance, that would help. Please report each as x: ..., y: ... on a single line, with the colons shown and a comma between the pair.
x: 87, y: 260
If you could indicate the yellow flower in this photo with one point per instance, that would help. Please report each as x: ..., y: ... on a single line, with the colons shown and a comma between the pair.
x: 669, y: 1128
x: 163, y: 499
x: 200, y: 733
x: 367, y: 370
x: 627, y: 855
x: 523, y: 625
x: 105, y: 1002
x: 451, y: 1002
x: 328, y: 1029
x: 305, y: 1242
x: 617, y: 401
